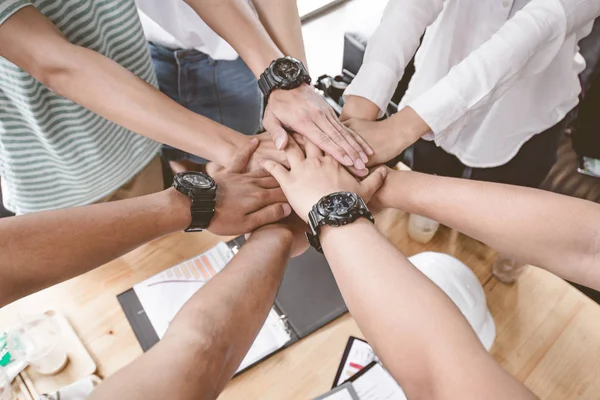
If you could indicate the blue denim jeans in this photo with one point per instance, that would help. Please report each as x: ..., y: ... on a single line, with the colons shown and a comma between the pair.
x: 224, y: 91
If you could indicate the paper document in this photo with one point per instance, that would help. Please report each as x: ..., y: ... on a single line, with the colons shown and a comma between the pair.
x: 357, y: 355
x: 163, y: 295
x: 375, y: 383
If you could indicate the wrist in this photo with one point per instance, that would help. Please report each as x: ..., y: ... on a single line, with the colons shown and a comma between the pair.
x: 327, y: 233
x: 177, y: 206
x: 398, y: 191
x: 278, y: 234
x: 408, y: 126
x: 264, y: 60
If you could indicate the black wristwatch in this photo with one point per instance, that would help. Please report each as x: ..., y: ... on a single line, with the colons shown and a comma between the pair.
x: 284, y: 73
x: 202, y: 190
x: 336, y: 209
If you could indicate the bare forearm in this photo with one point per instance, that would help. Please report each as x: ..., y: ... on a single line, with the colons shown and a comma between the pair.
x: 31, y: 41
x: 413, y: 326
x: 213, y: 331
x: 236, y: 22
x: 234, y: 305
x: 42, y: 249
x: 552, y: 231
x: 282, y: 21
x: 118, y: 95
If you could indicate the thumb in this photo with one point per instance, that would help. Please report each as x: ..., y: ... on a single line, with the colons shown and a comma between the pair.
x: 372, y: 183
x: 242, y: 158
x: 278, y: 171
x: 276, y: 130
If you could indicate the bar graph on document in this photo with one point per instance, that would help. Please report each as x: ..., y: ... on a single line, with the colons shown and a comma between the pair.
x: 163, y: 295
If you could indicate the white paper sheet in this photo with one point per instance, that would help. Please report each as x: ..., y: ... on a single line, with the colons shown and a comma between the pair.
x: 377, y: 384
x: 359, y: 356
x: 163, y: 295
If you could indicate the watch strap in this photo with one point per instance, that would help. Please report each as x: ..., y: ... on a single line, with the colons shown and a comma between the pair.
x: 202, y: 207
x: 316, y: 221
x: 202, y: 210
x: 267, y: 83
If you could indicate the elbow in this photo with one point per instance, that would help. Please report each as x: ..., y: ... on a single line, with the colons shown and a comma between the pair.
x: 53, y: 77
x: 57, y: 70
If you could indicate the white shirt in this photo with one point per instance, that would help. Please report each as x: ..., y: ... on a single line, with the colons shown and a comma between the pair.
x: 490, y: 74
x: 175, y: 25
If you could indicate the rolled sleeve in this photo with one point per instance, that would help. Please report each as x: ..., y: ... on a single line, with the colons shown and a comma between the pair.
x: 524, y: 46
x: 379, y: 90
x: 439, y: 107
x: 9, y: 7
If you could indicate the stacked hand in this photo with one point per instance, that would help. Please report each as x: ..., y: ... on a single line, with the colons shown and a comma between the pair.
x: 304, y: 111
x: 245, y: 200
x: 389, y: 137
x: 315, y: 175
x: 249, y: 200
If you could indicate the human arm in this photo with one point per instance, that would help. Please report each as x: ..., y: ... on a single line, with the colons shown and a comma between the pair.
x: 282, y: 21
x: 420, y: 335
x: 31, y: 41
x: 525, y: 45
x: 388, y: 52
x: 558, y: 233
x: 42, y: 249
x: 213, y: 331
x: 301, y: 110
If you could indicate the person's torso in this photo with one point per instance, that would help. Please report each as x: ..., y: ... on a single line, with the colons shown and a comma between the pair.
x: 175, y: 25
x: 531, y: 105
x: 55, y: 153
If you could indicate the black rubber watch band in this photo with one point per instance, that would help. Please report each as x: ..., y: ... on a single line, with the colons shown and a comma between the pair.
x: 317, y: 219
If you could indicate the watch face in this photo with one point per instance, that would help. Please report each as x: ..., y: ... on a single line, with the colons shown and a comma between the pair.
x: 199, y: 181
x: 286, y: 69
x: 337, y: 204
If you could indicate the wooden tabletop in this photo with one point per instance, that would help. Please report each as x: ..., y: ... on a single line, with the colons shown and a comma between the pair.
x: 548, y: 333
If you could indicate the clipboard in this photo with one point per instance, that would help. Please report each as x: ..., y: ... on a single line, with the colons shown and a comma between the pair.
x: 308, y: 299
x: 378, y: 387
x: 348, y: 369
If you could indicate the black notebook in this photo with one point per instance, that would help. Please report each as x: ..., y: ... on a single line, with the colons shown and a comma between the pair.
x: 307, y: 300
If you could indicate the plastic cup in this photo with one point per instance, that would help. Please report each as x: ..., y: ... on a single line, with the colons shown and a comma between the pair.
x: 507, y: 269
x: 421, y: 229
x: 37, y: 341
x: 6, y: 392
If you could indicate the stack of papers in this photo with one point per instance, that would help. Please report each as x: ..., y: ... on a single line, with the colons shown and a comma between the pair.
x: 163, y: 295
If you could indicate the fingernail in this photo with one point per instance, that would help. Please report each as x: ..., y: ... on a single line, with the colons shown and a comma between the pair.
x: 363, y: 156
x: 370, y: 151
x: 358, y: 164
x: 383, y: 172
x: 348, y: 161
x: 287, y: 210
x: 279, y: 143
x: 254, y: 140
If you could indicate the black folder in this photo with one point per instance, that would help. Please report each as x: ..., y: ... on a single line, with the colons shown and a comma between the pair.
x: 308, y: 299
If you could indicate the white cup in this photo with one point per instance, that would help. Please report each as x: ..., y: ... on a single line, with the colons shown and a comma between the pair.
x: 421, y: 229
x: 36, y: 340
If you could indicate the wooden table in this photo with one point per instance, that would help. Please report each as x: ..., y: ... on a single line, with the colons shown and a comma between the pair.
x: 548, y: 333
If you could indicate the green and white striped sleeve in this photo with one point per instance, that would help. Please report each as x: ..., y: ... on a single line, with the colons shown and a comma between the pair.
x: 9, y: 7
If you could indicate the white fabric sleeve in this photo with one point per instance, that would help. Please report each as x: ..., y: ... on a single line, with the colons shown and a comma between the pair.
x: 525, y: 45
x: 391, y: 47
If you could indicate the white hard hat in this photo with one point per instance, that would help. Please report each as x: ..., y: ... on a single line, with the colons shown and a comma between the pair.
x: 462, y: 286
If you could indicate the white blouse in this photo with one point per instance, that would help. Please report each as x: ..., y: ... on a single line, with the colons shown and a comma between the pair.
x: 490, y: 74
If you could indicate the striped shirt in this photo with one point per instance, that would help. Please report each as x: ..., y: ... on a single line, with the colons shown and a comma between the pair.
x: 53, y: 152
